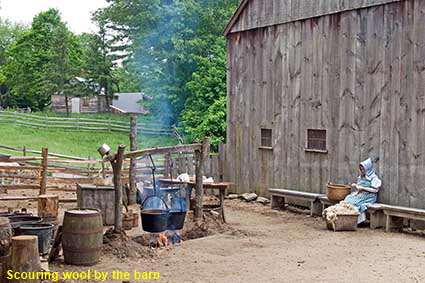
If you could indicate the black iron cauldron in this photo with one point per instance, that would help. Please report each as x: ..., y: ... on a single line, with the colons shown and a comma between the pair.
x: 154, y: 219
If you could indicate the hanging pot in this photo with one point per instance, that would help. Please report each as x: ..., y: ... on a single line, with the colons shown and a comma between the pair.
x: 176, y: 217
x: 154, y: 220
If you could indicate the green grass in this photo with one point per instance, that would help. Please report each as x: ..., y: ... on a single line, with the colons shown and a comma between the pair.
x: 74, y: 143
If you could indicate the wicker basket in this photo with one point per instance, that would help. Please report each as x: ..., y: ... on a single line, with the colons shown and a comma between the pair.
x: 343, y: 222
x: 337, y: 192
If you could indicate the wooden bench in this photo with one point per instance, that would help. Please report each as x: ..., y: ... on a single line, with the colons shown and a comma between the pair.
x: 325, y: 202
x: 377, y: 216
x: 278, y: 199
x: 396, y: 214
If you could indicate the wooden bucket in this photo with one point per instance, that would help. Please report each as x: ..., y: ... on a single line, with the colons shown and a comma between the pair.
x: 48, y: 206
x: 136, y: 219
x: 82, y: 236
x: 127, y: 220
x: 5, y: 246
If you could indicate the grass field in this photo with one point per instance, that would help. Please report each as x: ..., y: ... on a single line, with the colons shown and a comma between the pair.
x: 75, y: 143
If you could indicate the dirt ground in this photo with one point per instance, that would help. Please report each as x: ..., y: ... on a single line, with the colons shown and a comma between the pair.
x: 263, y: 245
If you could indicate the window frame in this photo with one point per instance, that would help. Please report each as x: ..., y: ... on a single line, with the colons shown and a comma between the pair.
x: 262, y: 138
x: 317, y: 150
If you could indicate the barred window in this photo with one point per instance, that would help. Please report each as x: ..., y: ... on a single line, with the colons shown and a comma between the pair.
x: 316, y: 139
x: 266, y: 137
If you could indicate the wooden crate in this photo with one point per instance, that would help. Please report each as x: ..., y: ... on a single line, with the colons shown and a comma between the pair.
x: 344, y: 222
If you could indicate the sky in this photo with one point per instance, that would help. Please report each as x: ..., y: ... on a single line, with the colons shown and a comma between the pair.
x: 76, y: 13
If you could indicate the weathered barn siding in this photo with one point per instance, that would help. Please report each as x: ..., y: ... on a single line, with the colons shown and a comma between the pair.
x: 360, y: 74
x: 254, y: 14
x: 88, y: 104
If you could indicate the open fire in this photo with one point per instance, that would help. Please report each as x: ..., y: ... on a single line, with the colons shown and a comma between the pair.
x: 169, y: 237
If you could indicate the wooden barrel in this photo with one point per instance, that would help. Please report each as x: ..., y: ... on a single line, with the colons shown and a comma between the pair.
x: 5, y: 246
x: 5, y: 236
x: 48, y: 206
x: 82, y: 236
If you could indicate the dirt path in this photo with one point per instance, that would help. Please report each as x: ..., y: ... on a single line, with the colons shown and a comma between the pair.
x: 278, y: 246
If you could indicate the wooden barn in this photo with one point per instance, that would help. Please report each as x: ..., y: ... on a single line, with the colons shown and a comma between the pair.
x: 316, y: 86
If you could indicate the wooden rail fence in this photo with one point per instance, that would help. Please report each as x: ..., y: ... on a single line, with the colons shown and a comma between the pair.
x: 81, y: 124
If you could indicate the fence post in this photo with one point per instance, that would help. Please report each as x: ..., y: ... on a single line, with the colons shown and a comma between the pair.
x: 44, y: 166
x: 132, y: 170
x: 24, y: 151
x: 103, y: 170
x: 117, y: 169
x: 200, y: 157
x: 109, y: 124
x: 46, y: 122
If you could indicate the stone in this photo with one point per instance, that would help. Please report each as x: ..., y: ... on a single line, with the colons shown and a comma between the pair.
x: 263, y: 200
x: 232, y: 196
x: 249, y: 197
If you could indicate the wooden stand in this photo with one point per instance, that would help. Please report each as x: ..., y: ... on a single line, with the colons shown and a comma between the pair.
x: 43, y: 172
x: 117, y: 168
x: 133, y: 163
x: 48, y: 206
x: 25, y: 257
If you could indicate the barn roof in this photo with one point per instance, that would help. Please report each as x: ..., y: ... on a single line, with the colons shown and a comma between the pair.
x: 252, y: 14
x: 128, y: 102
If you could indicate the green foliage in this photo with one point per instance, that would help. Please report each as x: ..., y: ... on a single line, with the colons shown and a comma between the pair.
x: 42, y: 62
x: 9, y: 32
x: 174, y: 44
x: 205, y: 111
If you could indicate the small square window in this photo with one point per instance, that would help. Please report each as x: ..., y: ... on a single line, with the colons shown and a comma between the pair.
x: 316, y: 139
x: 266, y: 137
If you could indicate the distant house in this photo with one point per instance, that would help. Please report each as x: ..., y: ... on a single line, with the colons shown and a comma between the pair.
x: 86, y: 104
x: 129, y: 102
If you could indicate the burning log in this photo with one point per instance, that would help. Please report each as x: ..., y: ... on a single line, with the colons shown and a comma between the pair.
x: 164, y: 239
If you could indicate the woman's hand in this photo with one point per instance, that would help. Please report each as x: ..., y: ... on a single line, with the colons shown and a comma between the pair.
x: 354, y: 185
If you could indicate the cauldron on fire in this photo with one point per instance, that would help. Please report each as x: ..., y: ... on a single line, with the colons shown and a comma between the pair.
x: 154, y: 220
x: 156, y: 215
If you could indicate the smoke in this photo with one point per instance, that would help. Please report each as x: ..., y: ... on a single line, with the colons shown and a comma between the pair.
x: 163, y: 61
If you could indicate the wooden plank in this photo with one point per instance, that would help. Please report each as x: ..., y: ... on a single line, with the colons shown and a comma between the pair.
x: 19, y: 187
x: 20, y: 168
x: 163, y: 150
x: 405, y: 104
x: 388, y: 135
x: 415, y: 145
x: 43, y: 172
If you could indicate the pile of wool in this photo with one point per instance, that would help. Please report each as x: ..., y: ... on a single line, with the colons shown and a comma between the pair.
x: 331, y: 213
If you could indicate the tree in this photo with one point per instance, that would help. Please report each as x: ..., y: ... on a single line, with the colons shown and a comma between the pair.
x: 179, y: 53
x: 65, y: 62
x: 99, y: 60
x: 9, y: 32
x: 42, y: 62
x: 205, y: 109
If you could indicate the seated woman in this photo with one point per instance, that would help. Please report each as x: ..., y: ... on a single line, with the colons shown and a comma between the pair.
x: 366, y: 190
